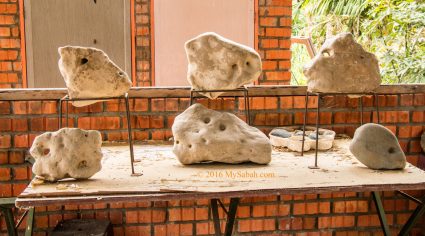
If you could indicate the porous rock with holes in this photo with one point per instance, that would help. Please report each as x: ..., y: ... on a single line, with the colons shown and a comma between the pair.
x: 201, y: 135
x: 217, y: 63
x: 68, y: 152
x: 89, y: 73
x: 343, y: 66
x: 377, y: 148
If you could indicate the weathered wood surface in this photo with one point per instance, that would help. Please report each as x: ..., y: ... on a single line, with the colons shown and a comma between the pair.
x: 184, y: 92
x: 164, y: 178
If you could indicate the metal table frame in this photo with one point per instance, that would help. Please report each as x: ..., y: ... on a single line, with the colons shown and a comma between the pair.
x: 67, y: 99
x: 241, y: 89
x: 235, y: 197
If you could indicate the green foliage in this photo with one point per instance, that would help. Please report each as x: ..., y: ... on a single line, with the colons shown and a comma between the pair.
x: 394, y: 30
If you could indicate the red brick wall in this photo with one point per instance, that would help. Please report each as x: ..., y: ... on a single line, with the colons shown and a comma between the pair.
x: 10, y: 45
x: 327, y: 214
x: 144, y: 55
x: 273, y: 32
x: 274, y: 40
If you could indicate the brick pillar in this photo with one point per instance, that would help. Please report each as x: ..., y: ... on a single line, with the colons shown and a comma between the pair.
x: 144, y: 53
x: 10, y: 45
x: 274, y: 40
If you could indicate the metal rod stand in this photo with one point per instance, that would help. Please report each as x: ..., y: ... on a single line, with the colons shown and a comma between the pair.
x: 67, y: 99
x: 304, y: 124
x: 319, y: 95
x: 231, y: 215
x: 241, y: 89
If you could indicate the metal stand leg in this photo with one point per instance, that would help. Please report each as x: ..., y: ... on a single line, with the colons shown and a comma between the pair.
x: 377, y: 107
x: 317, y: 134
x: 361, y: 110
x: 191, y: 98
x: 67, y: 113
x: 305, y: 121
x: 30, y: 222
x: 10, y: 222
x: 65, y: 98
x: 231, y: 215
x: 246, y: 101
x: 381, y: 213
x: 60, y: 113
x: 130, y: 135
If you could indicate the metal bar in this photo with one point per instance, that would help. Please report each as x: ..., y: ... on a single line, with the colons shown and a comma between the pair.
x: 10, y: 222
x: 220, y: 90
x: 222, y: 206
x: 60, y: 114
x: 245, y: 96
x: 361, y: 110
x: 305, y: 121
x: 248, y: 107
x: 234, y: 202
x: 67, y: 113
x: 130, y: 136
x: 317, y: 131
x: 216, y: 219
x: 21, y: 219
x: 419, y: 211
x: 67, y: 98
x: 410, y: 197
x: 30, y: 222
x: 377, y: 106
x: 191, y: 98
x: 381, y: 213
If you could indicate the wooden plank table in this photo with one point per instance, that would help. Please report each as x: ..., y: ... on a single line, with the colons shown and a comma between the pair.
x: 164, y: 178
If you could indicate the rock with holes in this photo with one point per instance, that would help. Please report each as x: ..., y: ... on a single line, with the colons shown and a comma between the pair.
x: 377, y: 148
x: 217, y: 63
x: 68, y: 152
x: 343, y: 66
x: 89, y: 73
x: 201, y: 134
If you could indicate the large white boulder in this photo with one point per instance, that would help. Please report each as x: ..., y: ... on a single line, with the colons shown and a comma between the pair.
x: 201, y: 134
x: 68, y: 152
x: 343, y: 66
x: 377, y: 148
x: 89, y: 73
x: 218, y: 63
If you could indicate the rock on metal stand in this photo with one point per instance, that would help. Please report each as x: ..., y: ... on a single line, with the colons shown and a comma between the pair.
x: 319, y: 96
x: 419, y: 210
x: 241, y: 89
x: 67, y: 99
x: 234, y: 202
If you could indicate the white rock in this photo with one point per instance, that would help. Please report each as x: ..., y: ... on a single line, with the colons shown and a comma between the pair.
x: 201, y: 134
x: 89, y: 73
x: 343, y: 66
x: 219, y: 63
x: 68, y: 152
x: 377, y: 148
